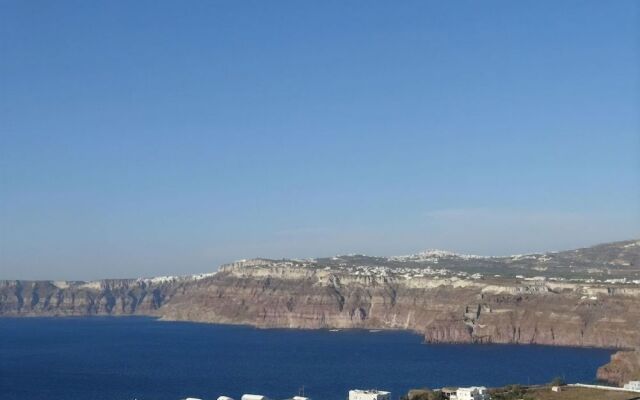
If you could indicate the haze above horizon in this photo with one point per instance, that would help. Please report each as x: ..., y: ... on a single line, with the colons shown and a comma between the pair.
x: 160, y: 138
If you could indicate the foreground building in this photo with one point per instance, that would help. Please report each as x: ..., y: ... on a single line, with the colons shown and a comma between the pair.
x: 471, y: 393
x: 358, y: 394
x: 254, y: 397
x: 633, y: 385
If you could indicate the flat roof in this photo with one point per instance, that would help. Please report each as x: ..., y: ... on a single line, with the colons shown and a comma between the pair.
x: 372, y: 391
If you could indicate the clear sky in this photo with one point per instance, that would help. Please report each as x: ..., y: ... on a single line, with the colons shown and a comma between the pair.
x: 142, y: 138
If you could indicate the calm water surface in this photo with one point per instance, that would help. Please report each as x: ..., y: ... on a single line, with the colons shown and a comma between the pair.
x: 123, y: 358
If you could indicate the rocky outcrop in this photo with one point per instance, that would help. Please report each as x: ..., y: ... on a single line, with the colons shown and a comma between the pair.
x: 624, y: 367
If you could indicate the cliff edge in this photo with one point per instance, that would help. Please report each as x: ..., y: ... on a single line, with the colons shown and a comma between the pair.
x: 561, y: 298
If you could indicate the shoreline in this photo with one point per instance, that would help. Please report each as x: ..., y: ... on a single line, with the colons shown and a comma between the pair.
x: 158, y: 319
x: 161, y: 319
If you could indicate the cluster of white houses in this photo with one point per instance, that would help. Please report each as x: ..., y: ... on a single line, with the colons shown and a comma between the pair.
x: 633, y: 386
x: 470, y: 393
x: 251, y: 397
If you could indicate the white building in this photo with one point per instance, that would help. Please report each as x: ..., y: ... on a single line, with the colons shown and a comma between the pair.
x: 368, y: 395
x: 254, y: 397
x: 472, y: 393
x: 633, y: 385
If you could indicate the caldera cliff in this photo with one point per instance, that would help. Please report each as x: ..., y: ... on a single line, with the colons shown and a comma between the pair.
x: 444, y: 297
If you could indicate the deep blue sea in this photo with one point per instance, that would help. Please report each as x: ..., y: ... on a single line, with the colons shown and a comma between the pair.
x: 126, y: 358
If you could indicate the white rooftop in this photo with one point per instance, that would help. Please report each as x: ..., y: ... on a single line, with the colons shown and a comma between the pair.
x: 372, y: 391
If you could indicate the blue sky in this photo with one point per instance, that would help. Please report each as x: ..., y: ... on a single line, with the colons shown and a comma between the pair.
x: 165, y: 137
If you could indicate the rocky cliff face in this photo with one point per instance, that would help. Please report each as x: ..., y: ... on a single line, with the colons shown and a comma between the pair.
x: 441, y: 305
x: 108, y: 297
x: 624, y: 367
x: 442, y: 309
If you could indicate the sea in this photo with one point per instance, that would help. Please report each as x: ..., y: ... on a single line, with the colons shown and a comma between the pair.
x: 123, y: 358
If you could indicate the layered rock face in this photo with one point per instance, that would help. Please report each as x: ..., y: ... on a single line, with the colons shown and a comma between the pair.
x: 624, y: 367
x: 442, y: 306
x: 443, y: 310
x: 108, y: 297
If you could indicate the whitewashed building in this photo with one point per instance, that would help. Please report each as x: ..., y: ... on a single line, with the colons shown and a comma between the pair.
x: 358, y: 394
x: 633, y: 385
x: 472, y: 393
x: 254, y: 397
